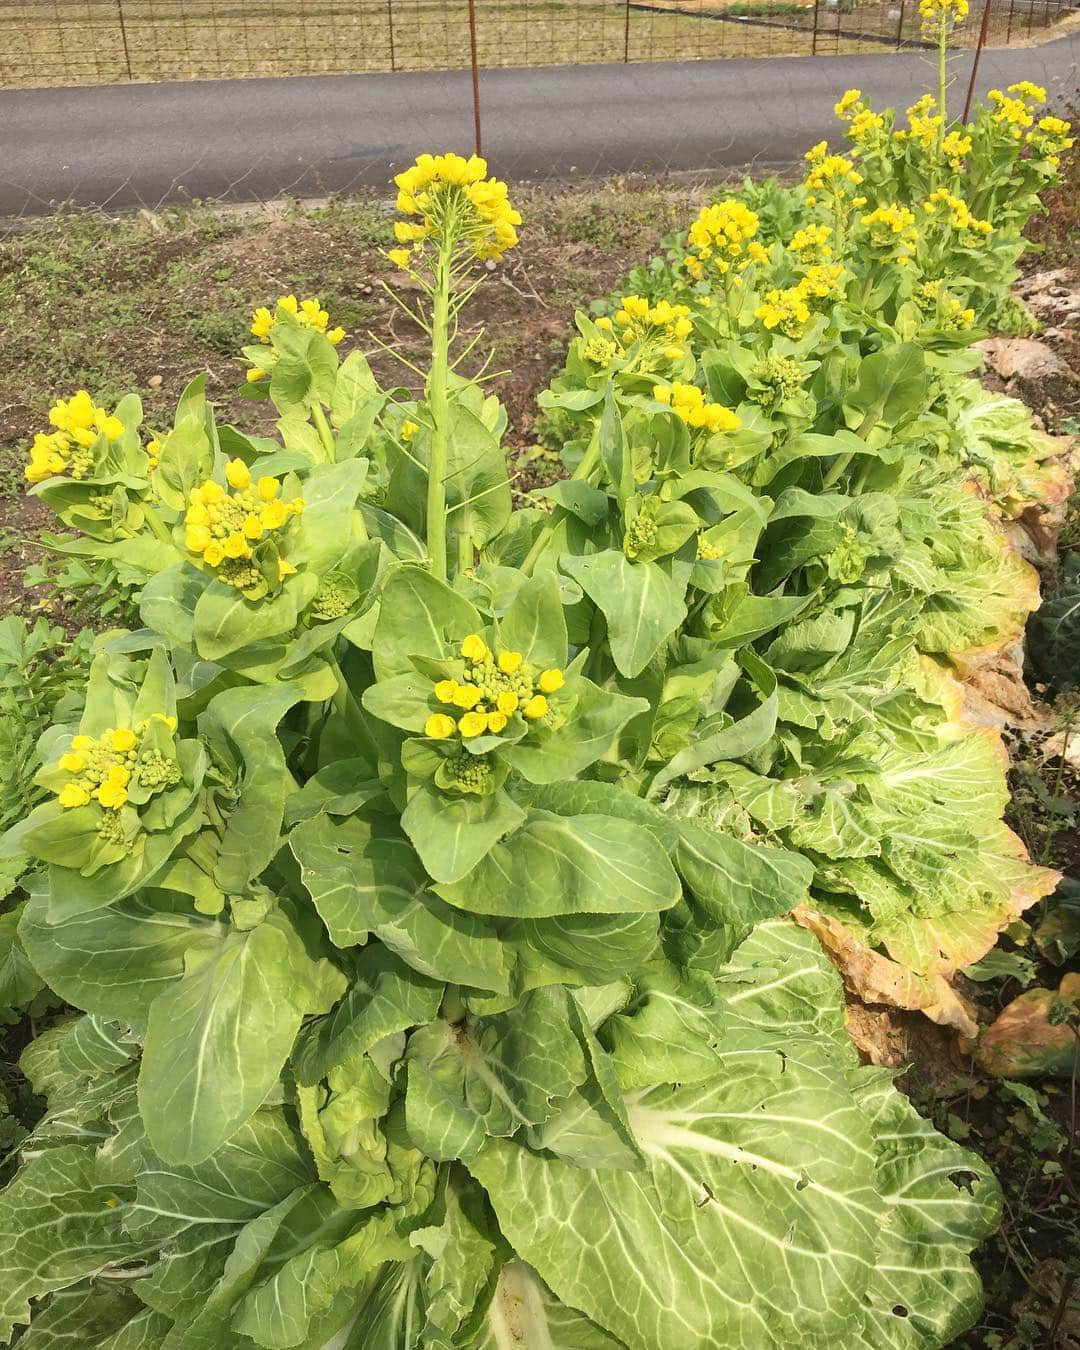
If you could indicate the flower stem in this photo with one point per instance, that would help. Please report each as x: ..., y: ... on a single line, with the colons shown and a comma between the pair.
x: 465, y: 550
x: 158, y: 526
x: 589, y: 461
x: 322, y: 426
x: 439, y: 406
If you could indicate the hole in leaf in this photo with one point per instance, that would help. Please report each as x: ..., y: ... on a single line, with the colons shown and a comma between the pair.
x: 964, y: 1181
x: 899, y: 1310
x: 802, y: 1182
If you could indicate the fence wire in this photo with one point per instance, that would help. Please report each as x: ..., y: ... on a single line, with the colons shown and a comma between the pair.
x: 79, y: 42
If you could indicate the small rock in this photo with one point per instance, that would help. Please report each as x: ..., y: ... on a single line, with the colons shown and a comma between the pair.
x: 154, y: 382
x: 1033, y: 372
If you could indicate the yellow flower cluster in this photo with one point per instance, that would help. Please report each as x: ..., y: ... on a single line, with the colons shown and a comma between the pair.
x: 492, y: 690
x: 720, y: 234
x: 830, y: 172
x: 812, y: 241
x: 924, y: 123
x: 153, y: 452
x: 935, y: 12
x: 788, y: 309
x: 706, y: 551
x: 950, y: 314
x: 784, y: 309
x: 67, y: 450
x: 892, y: 228
x: 688, y: 402
x: 662, y: 323
x: 954, y: 211
x: 1050, y: 139
x: 101, y: 769
x: 453, y: 195
x: 1011, y: 113
x: 307, y: 313
x: 956, y: 147
x: 222, y: 526
x: 865, y: 123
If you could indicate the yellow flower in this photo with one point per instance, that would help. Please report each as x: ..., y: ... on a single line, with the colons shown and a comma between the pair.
x: 123, y: 740
x: 507, y: 702
x: 214, y: 554
x: 73, y: 762
x: 956, y: 147
x: 934, y: 12
x: 196, y: 538
x: 82, y: 742
x: 236, y: 546
x: 551, y: 681
x: 496, y: 722
x: 535, y: 707
x: 409, y: 430
x: 509, y: 662
x: 307, y: 313
x: 474, y: 648
x: 401, y: 258
x: 439, y: 727
x: 450, y: 193
x: 472, y: 724
x: 254, y: 374
x: 267, y: 488
x: 252, y: 527
x: 274, y: 515
x: 1025, y: 89
x: 112, y: 795
x: 846, y: 102
x: 73, y: 794
x: 119, y: 776
x: 285, y: 569
x: 445, y: 690
x: 237, y: 474
x: 466, y: 696
x: 688, y: 402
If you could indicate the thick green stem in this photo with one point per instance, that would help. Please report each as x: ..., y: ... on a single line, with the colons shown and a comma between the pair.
x: 439, y: 406
x: 464, y: 550
x: 589, y: 460
x: 157, y: 525
x: 322, y: 426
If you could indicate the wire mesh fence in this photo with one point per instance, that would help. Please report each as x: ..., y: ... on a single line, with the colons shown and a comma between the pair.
x: 69, y: 42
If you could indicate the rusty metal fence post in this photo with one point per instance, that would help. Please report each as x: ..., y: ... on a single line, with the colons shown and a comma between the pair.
x: 813, y: 37
x: 626, y: 34
x: 900, y: 26
x: 390, y: 32
x: 979, y: 45
x: 475, y: 76
x: 123, y: 37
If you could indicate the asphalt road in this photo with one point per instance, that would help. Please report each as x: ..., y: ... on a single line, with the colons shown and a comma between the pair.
x: 247, y: 140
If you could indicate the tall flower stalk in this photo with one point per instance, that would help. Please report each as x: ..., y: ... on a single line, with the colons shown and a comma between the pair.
x: 459, y: 216
x: 939, y: 18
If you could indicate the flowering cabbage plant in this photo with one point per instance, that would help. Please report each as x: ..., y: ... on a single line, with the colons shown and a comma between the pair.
x: 443, y: 892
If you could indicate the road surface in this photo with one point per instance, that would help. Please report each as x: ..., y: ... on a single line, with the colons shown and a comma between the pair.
x: 249, y: 140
